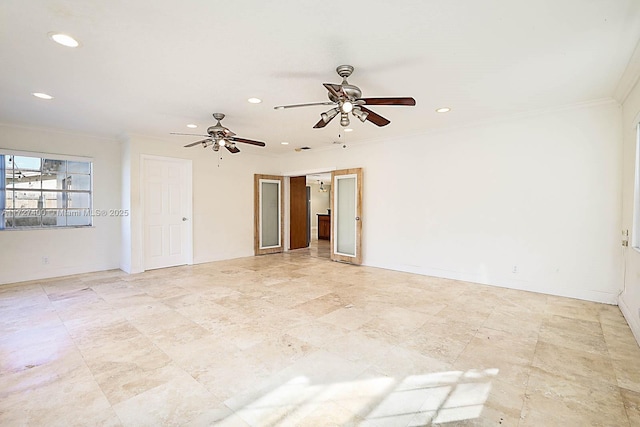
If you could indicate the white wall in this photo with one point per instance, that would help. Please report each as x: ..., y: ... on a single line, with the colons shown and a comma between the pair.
x: 540, y: 193
x: 629, y: 301
x: 222, y: 199
x: 70, y: 250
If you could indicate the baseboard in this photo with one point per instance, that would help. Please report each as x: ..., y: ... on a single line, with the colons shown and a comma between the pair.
x: 53, y: 273
x: 521, y: 285
x: 632, y: 320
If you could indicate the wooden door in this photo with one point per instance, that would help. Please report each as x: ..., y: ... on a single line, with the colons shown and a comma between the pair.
x: 268, y: 193
x: 346, y: 216
x: 298, y: 212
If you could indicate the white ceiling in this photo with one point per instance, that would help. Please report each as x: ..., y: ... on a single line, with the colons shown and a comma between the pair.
x: 149, y: 67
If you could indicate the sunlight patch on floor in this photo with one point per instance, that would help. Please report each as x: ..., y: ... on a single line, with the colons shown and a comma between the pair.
x: 415, y: 400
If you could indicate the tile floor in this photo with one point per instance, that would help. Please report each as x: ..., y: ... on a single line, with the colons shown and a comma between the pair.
x: 296, y: 340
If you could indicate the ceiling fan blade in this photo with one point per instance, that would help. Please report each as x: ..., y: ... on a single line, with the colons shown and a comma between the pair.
x: 374, y: 118
x: 193, y: 144
x: 388, y: 101
x: 233, y: 149
x: 320, y: 124
x: 247, y: 141
x: 335, y: 90
x: 189, y: 134
x: 309, y: 104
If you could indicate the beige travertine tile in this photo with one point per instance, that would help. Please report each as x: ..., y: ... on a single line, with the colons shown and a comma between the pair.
x: 292, y: 339
x: 574, y: 333
x: 220, y: 417
x: 540, y: 409
x: 349, y: 318
x: 574, y: 365
x: 626, y: 367
x: 511, y: 355
x: 516, y: 320
x: 631, y: 401
x: 441, y: 339
x: 71, y: 397
x: 176, y: 402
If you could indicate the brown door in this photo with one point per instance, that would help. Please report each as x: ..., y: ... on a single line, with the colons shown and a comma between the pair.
x: 268, y: 214
x: 298, y: 212
x: 346, y: 215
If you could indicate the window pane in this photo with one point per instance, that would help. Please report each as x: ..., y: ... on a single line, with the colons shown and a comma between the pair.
x: 26, y: 218
x: 8, y: 199
x: 53, y: 200
x: 78, y: 200
x: 26, y: 180
x: 8, y: 177
x: 52, y: 181
x: 78, y: 217
x: 53, y: 218
x: 22, y: 163
x: 8, y: 161
x: 8, y: 218
x: 78, y: 182
x: 54, y: 166
x: 28, y: 200
x: 54, y: 174
x: 79, y: 167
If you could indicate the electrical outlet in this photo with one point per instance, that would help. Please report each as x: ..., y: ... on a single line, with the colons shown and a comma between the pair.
x: 45, y: 260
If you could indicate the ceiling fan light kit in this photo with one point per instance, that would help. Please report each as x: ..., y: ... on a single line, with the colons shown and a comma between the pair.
x: 347, y: 99
x: 220, y: 136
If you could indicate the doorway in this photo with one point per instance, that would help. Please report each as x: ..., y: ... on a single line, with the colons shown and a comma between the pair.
x: 340, y: 235
x: 310, y: 214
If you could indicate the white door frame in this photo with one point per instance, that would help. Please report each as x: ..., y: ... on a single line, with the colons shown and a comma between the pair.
x: 188, y: 208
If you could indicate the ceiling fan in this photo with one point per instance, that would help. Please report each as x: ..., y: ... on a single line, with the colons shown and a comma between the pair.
x: 220, y: 136
x: 346, y: 99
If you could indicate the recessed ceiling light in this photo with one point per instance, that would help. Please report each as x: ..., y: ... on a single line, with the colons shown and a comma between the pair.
x: 348, y: 130
x: 254, y: 100
x: 443, y: 110
x: 42, y: 95
x: 64, y: 39
x: 192, y: 126
x: 284, y: 143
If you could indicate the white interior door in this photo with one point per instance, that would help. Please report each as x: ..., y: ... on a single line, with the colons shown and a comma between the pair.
x: 167, y: 212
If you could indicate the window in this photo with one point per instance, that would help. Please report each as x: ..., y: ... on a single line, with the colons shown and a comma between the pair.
x: 41, y: 192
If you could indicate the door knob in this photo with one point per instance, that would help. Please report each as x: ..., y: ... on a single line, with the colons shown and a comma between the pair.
x: 357, y: 218
x: 184, y: 218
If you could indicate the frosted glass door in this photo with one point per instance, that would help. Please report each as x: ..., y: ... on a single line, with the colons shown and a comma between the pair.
x: 345, y: 215
x: 346, y: 212
x: 268, y: 209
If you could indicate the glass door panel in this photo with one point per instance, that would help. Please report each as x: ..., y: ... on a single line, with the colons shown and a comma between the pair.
x: 268, y: 212
x: 346, y: 229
